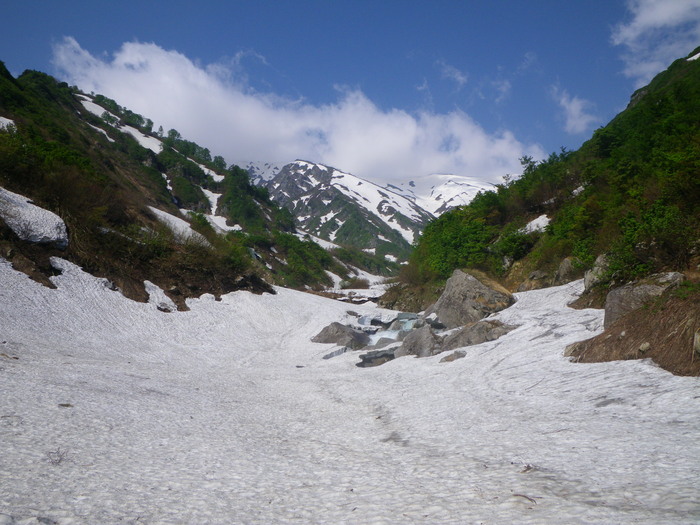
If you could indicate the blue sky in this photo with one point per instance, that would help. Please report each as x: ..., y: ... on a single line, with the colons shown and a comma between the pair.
x: 388, y: 90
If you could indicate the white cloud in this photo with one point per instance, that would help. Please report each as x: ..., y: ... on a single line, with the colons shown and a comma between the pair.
x: 450, y: 72
x: 213, y: 106
x: 503, y: 88
x: 529, y: 60
x: 577, y: 118
x: 658, y: 32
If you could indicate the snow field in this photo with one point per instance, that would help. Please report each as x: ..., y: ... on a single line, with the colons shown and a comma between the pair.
x: 116, y: 412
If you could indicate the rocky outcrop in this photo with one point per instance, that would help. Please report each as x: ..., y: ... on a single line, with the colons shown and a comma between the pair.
x: 668, y: 333
x: 475, y: 333
x: 375, y: 358
x: 595, y: 274
x: 536, y: 280
x: 467, y: 299
x: 459, y: 354
x: 342, y: 335
x: 421, y: 342
x: 569, y: 270
x: 425, y: 342
x: 632, y: 296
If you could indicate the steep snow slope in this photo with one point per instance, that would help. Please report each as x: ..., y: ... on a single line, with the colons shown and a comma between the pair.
x: 114, y: 412
x: 261, y: 172
x: 438, y: 193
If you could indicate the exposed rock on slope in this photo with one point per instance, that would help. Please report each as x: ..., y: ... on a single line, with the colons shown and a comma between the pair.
x: 342, y: 335
x: 475, y: 333
x: 666, y: 331
x: 632, y: 296
x: 467, y: 299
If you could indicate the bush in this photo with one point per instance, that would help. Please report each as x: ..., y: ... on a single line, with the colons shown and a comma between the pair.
x: 355, y: 283
x: 658, y: 237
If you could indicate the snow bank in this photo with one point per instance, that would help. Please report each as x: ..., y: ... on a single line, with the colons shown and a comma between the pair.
x: 6, y: 123
x: 536, y: 225
x: 93, y: 108
x: 114, y: 412
x: 321, y: 242
x: 32, y: 223
x: 100, y: 130
x: 179, y: 227
x: 146, y: 141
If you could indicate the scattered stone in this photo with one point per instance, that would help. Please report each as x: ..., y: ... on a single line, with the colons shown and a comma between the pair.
x: 629, y: 297
x: 342, y: 335
x: 458, y: 354
x: 396, y: 325
x: 384, y: 341
x: 433, y: 321
x: 467, y: 299
x: 476, y: 333
x: 336, y: 353
x: 421, y: 342
x: 375, y: 358
x: 644, y: 347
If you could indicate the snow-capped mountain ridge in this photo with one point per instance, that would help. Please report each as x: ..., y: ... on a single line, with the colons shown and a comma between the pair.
x: 341, y: 207
x: 439, y: 192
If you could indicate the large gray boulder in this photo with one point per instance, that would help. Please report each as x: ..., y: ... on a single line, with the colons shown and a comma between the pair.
x: 629, y: 297
x: 342, y: 335
x: 595, y: 274
x: 421, y: 342
x: 476, y: 333
x: 467, y: 299
x: 568, y: 271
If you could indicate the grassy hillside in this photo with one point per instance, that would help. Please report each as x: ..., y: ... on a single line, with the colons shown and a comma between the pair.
x: 632, y: 192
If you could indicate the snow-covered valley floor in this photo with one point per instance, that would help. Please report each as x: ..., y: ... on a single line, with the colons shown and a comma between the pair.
x: 114, y: 412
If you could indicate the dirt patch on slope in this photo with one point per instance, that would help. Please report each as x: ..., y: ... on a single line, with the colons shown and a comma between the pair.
x: 665, y: 330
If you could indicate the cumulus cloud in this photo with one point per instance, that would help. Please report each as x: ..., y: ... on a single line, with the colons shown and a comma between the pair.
x: 576, y: 111
x: 214, y: 106
x: 658, y: 32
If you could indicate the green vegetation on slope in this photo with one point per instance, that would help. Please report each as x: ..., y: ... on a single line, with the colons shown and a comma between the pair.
x: 632, y: 191
x: 101, y: 182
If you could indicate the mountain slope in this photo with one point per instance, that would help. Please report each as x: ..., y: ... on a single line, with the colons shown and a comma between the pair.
x: 632, y: 192
x: 348, y: 210
x: 140, y: 205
